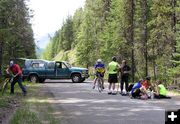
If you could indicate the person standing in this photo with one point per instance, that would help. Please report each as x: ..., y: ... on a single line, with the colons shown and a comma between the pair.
x: 17, y: 77
x: 113, y: 68
x: 125, y: 70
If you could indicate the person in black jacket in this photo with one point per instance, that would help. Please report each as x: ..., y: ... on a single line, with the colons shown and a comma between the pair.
x: 125, y: 70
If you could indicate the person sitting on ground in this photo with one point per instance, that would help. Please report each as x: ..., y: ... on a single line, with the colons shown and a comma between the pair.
x: 135, y: 92
x: 99, y: 70
x: 161, y: 91
x: 145, y: 86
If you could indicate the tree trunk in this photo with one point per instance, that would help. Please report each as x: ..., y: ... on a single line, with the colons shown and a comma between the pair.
x: 174, y: 21
x: 106, y: 8
x: 144, y: 33
x: 132, y: 38
x: 173, y: 25
x: 1, y: 54
x: 154, y: 64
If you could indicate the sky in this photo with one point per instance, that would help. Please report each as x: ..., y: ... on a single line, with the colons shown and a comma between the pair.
x: 49, y: 16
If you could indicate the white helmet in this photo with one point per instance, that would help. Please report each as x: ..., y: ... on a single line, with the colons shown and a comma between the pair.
x: 99, y: 60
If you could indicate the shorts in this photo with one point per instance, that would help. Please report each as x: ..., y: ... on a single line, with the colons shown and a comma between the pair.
x: 112, y: 78
x: 101, y: 74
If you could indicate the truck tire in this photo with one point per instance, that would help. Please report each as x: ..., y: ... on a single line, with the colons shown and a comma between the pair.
x: 83, y: 79
x: 34, y: 78
x: 76, y: 78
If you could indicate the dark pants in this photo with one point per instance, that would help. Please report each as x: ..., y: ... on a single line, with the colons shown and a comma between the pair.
x: 136, y: 93
x: 162, y: 97
x: 19, y: 80
x: 130, y: 87
x: 124, y: 79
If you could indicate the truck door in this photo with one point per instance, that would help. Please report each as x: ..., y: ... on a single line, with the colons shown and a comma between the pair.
x: 62, y: 71
x: 50, y: 71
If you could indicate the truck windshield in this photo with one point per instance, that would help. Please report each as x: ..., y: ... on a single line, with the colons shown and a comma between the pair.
x: 68, y: 65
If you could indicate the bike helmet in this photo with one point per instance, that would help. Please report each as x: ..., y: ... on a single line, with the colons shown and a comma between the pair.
x: 114, y: 58
x: 99, y: 61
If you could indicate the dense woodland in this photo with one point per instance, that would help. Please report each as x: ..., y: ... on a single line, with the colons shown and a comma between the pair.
x: 144, y: 32
x: 16, y: 35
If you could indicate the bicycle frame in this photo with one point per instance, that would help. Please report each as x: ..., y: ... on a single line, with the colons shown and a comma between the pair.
x: 7, y: 80
x: 99, y: 83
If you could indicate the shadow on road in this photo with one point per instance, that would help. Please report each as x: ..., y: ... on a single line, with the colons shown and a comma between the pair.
x: 63, y: 81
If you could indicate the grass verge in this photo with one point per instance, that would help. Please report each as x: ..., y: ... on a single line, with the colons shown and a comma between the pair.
x: 32, y: 111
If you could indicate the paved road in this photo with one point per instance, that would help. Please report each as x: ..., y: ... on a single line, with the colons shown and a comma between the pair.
x: 77, y: 103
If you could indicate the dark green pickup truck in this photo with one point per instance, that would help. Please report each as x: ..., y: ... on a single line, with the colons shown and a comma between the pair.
x: 37, y: 70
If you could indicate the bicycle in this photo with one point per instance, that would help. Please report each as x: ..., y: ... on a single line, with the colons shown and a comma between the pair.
x: 8, y: 79
x: 99, y: 83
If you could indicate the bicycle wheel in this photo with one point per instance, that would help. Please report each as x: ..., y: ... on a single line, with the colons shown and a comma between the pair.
x: 99, y: 85
x: 5, y: 85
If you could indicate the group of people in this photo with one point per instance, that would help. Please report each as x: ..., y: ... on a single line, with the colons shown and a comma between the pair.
x: 113, y: 69
x: 142, y: 89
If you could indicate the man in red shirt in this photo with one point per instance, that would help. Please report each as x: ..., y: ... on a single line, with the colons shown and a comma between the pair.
x: 17, y: 77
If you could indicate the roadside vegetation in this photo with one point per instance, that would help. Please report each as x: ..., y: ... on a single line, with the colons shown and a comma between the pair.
x: 31, y: 109
x: 145, y: 33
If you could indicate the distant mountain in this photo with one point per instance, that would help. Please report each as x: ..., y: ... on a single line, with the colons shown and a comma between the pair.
x: 39, y: 52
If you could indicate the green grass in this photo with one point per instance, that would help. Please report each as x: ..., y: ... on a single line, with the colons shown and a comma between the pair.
x: 24, y: 116
x: 35, y: 108
x: 4, y: 101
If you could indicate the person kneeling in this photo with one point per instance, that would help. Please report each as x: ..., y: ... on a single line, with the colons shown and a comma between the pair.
x: 161, y: 91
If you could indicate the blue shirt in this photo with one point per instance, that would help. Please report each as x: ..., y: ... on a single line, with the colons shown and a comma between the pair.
x: 136, y: 86
x: 99, y: 65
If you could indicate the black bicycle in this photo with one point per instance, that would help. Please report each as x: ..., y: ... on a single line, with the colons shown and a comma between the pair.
x: 99, y: 83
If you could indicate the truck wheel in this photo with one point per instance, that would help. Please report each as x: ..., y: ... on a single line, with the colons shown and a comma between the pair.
x: 76, y: 78
x: 34, y: 79
x: 82, y: 80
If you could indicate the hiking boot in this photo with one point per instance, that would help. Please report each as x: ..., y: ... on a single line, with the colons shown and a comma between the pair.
x: 114, y: 93
x: 109, y: 92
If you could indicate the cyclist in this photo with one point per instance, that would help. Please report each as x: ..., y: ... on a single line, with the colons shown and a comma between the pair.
x: 113, y: 69
x: 99, y: 70
x: 17, y: 77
